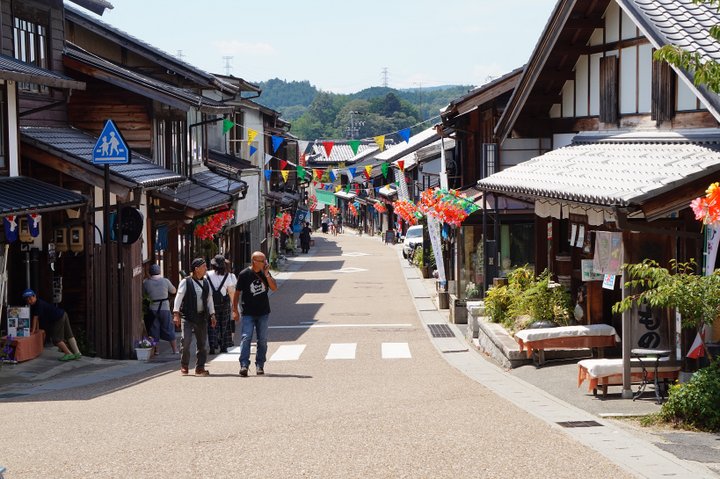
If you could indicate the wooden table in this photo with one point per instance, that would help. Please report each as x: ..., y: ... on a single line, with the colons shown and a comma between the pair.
x: 565, y: 337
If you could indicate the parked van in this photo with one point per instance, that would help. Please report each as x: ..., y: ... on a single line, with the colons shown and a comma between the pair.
x: 413, y: 238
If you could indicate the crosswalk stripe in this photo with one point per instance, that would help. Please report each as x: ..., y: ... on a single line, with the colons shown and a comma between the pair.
x: 288, y: 352
x: 396, y: 351
x: 341, y: 351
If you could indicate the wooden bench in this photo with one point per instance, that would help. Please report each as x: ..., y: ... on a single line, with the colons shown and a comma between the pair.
x: 609, y: 372
x: 536, y: 341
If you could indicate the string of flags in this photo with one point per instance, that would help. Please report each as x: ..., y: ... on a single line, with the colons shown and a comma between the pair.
x: 277, y: 141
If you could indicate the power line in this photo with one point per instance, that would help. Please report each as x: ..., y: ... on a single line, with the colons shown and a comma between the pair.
x: 385, y: 77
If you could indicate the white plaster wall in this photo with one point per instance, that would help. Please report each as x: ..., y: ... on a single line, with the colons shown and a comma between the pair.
x: 645, y: 78
x: 581, y: 86
x: 612, y: 23
x: 686, y: 99
x: 568, y: 99
x: 594, y: 68
x: 629, y: 30
x: 628, y: 80
x: 555, y: 111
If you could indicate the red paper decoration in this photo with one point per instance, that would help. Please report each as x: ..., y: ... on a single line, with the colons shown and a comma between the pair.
x: 211, y: 225
x: 282, y: 224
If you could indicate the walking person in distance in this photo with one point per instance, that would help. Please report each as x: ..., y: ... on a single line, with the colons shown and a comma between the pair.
x: 254, y: 283
x: 222, y: 285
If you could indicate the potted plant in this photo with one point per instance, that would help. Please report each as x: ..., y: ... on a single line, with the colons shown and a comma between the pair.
x: 144, y: 348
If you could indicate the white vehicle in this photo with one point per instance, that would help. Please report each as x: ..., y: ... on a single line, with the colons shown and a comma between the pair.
x: 413, y: 238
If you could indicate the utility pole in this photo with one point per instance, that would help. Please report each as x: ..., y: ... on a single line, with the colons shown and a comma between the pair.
x: 355, y: 125
x: 227, y: 67
x: 385, y: 77
x: 180, y: 55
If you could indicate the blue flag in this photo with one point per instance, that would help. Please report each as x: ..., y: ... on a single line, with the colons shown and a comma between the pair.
x: 352, y: 173
x: 405, y: 134
x: 268, y: 174
x: 276, y: 141
x: 252, y: 150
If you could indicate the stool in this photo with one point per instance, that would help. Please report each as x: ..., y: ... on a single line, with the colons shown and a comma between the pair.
x: 644, y: 356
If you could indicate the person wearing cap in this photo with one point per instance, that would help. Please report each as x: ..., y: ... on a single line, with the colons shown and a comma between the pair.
x: 194, y: 304
x: 222, y: 285
x: 252, y: 289
x: 159, y: 289
x: 54, y: 321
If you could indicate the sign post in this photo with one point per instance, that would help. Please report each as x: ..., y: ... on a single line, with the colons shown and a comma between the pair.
x: 111, y: 149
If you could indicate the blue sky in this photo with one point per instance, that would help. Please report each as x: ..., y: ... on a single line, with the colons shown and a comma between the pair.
x: 339, y: 47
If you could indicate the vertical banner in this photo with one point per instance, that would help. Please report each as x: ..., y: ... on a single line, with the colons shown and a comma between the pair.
x: 712, y: 235
x: 434, y: 232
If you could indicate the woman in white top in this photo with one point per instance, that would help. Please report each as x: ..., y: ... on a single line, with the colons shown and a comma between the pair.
x: 222, y: 288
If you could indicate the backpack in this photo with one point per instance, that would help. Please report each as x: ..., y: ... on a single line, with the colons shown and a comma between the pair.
x: 217, y: 296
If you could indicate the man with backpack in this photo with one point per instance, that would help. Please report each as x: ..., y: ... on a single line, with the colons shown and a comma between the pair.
x: 222, y: 286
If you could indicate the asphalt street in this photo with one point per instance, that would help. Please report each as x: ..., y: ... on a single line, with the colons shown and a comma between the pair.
x: 355, y: 387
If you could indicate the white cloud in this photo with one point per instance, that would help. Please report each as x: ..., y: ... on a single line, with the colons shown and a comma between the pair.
x: 235, y: 47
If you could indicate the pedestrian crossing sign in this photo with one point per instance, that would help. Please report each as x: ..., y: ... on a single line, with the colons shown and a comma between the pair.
x: 110, y: 148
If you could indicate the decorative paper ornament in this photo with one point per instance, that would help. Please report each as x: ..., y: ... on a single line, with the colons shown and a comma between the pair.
x: 11, y: 228
x: 34, y: 224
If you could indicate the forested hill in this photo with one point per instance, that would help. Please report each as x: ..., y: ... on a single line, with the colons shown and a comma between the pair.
x: 376, y: 110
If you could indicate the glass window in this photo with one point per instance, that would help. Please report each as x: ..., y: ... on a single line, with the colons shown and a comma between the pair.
x: 30, y: 44
x: 170, y: 144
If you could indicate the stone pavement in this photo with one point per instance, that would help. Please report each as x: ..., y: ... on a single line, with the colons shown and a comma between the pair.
x: 549, y: 393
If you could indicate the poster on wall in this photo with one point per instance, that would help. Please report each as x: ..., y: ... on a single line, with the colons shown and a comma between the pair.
x: 608, y: 258
x: 586, y: 266
x: 18, y: 321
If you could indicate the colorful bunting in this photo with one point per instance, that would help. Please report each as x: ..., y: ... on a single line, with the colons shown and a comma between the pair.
x: 227, y: 125
x: 351, y: 173
x: 401, y: 165
x: 251, y: 135
x: 384, y: 168
x: 328, y: 145
x: 380, y: 140
x: 34, y: 224
x: 405, y: 134
x: 283, y: 164
x: 11, y: 228
x: 276, y: 142
x: 301, y: 172
x: 354, y: 144
x: 368, y: 170
x: 331, y: 175
x: 268, y: 174
x: 267, y: 158
x: 285, y: 174
x: 317, y: 173
x: 252, y: 150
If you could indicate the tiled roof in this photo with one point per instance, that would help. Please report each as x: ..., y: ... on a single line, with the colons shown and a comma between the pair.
x: 12, y: 69
x: 416, y: 142
x: 682, y: 23
x: 146, y: 50
x: 220, y: 183
x: 195, y: 196
x: 77, y: 146
x: 621, y: 170
x: 20, y: 195
x: 143, y: 84
x: 340, y: 153
x: 227, y: 161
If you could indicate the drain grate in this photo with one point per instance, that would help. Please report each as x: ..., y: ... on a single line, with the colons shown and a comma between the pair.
x: 11, y: 395
x: 441, y: 331
x: 580, y: 424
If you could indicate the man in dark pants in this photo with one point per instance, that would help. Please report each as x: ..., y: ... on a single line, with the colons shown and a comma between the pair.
x: 54, y: 321
x: 252, y: 286
x: 194, y: 302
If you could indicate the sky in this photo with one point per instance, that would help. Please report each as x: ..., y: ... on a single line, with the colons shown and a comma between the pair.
x: 342, y: 47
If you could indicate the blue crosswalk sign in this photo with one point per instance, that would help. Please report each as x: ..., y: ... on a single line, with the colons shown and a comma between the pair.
x: 110, y: 148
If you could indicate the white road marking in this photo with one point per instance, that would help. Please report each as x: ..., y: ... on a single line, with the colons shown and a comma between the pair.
x: 309, y: 324
x: 347, y: 270
x: 356, y: 254
x: 396, y: 351
x: 288, y: 352
x: 341, y: 351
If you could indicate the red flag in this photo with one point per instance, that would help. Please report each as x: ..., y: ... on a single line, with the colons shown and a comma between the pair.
x: 697, y: 350
x: 328, y: 145
x: 283, y: 164
x: 318, y: 173
x: 401, y: 165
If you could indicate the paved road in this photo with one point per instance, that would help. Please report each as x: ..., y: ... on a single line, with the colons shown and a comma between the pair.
x: 355, y: 388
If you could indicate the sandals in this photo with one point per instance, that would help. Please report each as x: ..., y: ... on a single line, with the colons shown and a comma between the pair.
x: 67, y: 357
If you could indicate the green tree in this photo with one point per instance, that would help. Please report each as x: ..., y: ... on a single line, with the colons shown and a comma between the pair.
x: 705, y: 72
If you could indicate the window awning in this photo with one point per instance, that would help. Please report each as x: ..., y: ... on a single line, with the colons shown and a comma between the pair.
x: 388, y: 190
x: 193, y: 196
x: 345, y: 196
x: 621, y: 171
x: 15, y: 70
x: 21, y: 195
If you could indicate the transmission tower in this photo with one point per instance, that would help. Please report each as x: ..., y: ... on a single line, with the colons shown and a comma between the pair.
x: 385, y: 77
x: 355, y: 125
x: 227, y: 67
x: 180, y: 55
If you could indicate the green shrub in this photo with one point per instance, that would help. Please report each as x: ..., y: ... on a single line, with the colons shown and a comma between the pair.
x: 418, y: 256
x: 695, y: 403
x: 497, y: 303
x: 526, y: 299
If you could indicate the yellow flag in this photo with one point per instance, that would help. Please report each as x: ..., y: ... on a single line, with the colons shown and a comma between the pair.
x: 251, y: 135
x: 380, y: 140
x: 338, y: 188
x: 285, y: 174
x: 368, y: 169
